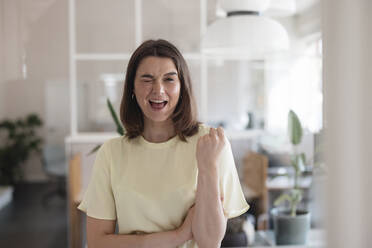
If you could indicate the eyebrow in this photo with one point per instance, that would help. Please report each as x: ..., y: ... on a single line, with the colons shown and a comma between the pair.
x: 147, y: 76
x: 151, y: 76
x: 171, y: 73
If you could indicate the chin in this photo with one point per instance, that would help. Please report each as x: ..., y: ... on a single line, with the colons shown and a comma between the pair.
x: 157, y: 118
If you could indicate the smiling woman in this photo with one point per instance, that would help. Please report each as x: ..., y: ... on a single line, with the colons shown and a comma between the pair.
x: 157, y: 88
x: 170, y: 77
x: 171, y: 180
x: 158, y: 71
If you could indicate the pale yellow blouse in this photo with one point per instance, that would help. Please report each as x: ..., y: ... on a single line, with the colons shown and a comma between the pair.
x: 149, y: 187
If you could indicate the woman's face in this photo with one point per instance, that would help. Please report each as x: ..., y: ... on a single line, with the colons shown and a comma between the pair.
x: 157, y: 88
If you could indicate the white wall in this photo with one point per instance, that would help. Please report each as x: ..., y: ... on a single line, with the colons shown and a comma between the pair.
x: 46, y: 49
x: 1, y: 62
x: 347, y: 49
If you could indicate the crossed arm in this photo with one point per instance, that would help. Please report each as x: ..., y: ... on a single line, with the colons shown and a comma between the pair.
x: 206, y: 225
x: 101, y: 233
x: 209, y: 221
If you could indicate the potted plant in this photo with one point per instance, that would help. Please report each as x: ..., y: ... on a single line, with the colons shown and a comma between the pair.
x: 18, y: 141
x: 291, y: 225
x: 119, y: 128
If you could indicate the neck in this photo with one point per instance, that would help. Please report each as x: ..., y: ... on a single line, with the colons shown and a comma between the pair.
x: 157, y: 132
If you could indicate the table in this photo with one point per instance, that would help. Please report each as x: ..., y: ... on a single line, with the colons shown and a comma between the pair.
x: 316, y: 239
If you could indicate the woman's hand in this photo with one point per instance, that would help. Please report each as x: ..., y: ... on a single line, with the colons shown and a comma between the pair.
x: 209, y: 148
x: 185, y: 229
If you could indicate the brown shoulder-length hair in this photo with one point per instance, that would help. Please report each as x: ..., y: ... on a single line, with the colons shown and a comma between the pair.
x: 185, y: 114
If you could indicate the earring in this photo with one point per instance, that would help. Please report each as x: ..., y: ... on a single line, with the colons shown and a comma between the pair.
x: 132, y: 96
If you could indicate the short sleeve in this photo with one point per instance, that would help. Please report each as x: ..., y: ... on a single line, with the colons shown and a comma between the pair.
x: 98, y: 201
x: 234, y: 203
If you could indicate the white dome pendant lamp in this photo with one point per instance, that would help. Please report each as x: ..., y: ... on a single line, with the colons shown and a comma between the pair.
x: 244, y: 33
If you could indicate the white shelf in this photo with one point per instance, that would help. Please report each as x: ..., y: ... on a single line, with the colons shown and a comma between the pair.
x: 123, y: 56
x: 102, y: 56
x: 75, y: 57
x: 283, y: 182
x: 244, y: 134
x: 100, y: 137
x: 89, y: 138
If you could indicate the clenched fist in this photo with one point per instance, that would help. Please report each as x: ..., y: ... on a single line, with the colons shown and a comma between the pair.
x: 209, y: 148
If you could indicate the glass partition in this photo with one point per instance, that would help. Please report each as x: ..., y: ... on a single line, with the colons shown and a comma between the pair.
x: 98, y: 81
x: 105, y: 26
x: 175, y: 20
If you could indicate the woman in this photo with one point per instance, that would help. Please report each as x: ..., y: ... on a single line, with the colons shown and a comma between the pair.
x: 170, y: 181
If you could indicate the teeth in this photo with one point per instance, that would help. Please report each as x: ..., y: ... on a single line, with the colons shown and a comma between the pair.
x: 156, y: 101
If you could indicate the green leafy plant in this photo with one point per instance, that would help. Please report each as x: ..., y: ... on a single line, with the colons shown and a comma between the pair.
x: 18, y: 141
x: 294, y: 196
x: 119, y: 128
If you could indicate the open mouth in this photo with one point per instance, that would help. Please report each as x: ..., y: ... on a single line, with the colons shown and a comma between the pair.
x: 157, y: 105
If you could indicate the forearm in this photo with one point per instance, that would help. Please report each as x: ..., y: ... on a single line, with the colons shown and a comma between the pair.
x: 209, y: 223
x: 161, y: 239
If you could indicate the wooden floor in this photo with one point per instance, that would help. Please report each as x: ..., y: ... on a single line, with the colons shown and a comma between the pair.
x: 27, y: 222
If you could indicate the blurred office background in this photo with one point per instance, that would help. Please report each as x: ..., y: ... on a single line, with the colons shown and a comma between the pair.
x: 62, y: 59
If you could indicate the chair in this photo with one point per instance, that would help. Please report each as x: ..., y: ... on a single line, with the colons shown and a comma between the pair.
x: 75, y: 225
x: 54, y: 165
x: 254, y: 187
x: 254, y: 174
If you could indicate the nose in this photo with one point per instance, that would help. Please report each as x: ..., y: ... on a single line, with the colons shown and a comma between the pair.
x: 158, y: 87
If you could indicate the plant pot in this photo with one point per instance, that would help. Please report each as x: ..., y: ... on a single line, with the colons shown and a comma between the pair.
x: 238, y: 239
x: 291, y: 230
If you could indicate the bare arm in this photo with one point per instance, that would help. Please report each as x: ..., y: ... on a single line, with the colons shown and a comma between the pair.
x: 101, y: 233
x: 209, y: 222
